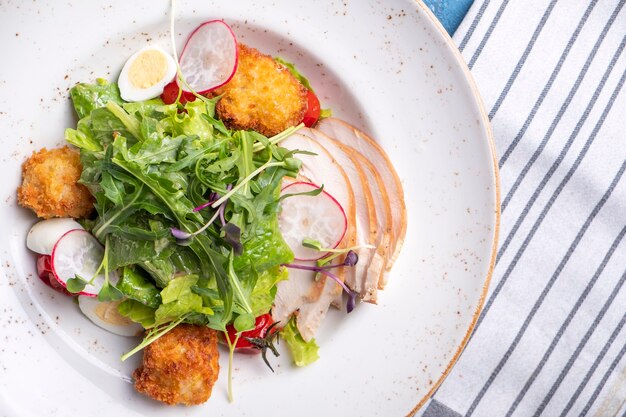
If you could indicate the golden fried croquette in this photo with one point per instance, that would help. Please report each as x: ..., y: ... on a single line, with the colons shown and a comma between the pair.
x: 49, y: 185
x: 180, y: 367
x: 262, y: 95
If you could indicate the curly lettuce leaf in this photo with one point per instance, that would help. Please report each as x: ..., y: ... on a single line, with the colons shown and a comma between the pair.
x: 179, y: 300
x: 88, y: 97
x: 303, y: 353
x: 262, y: 296
x: 137, y: 312
x: 137, y: 287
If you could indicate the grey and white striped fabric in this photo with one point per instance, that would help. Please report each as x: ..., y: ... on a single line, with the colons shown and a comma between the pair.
x: 551, y: 339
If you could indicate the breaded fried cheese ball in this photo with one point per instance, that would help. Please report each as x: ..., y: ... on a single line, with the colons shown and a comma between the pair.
x: 50, y: 184
x: 262, y: 95
x: 180, y: 367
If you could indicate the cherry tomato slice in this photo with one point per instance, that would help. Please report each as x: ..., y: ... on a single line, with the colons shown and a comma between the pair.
x: 313, y: 109
x: 260, y: 328
x: 44, y: 271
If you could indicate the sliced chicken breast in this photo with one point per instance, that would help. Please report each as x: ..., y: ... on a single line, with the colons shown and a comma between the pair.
x: 299, y: 289
x: 365, y: 281
x: 320, y: 168
x: 350, y: 136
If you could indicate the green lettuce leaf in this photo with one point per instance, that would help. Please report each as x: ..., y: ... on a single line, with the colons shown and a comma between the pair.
x: 137, y: 287
x: 264, y: 291
x: 179, y: 300
x: 303, y: 353
x: 292, y: 69
x: 88, y: 97
x: 137, y: 312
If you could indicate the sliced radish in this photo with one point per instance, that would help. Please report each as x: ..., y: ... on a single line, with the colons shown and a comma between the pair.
x: 79, y: 253
x: 44, y: 234
x: 209, y: 58
x: 318, y: 217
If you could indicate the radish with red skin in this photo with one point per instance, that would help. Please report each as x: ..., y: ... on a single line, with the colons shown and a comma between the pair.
x: 209, y: 58
x: 77, y: 252
x: 44, y: 272
x: 319, y: 217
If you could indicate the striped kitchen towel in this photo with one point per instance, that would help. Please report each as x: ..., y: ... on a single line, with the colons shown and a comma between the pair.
x: 551, y: 339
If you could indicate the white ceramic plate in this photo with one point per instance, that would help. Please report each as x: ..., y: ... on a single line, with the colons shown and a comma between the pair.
x: 387, y: 67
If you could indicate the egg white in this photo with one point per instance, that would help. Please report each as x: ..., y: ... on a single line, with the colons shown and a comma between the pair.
x: 131, y: 93
x: 89, y: 305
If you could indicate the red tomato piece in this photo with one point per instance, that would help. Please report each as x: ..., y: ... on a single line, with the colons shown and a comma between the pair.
x: 170, y: 93
x: 44, y: 271
x: 260, y: 329
x: 313, y: 109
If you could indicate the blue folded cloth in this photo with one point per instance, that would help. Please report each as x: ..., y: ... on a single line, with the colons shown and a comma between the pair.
x: 449, y: 12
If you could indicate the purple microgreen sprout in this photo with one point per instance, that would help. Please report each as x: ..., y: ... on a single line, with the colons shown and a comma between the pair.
x: 350, y: 260
x: 266, y: 342
x: 222, y: 208
x: 213, y: 197
x: 184, y: 238
x: 232, y: 236
x: 179, y: 234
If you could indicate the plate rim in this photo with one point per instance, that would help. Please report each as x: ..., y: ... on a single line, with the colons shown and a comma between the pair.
x: 496, y: 232
x: 456, y: 56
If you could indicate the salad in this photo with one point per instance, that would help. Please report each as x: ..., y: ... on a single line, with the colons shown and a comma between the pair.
x: 208, y: 198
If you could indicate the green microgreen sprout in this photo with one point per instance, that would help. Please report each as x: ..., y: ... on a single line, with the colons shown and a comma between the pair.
x: 333, y: 252
x: 287, y: 163
x: 153, y: 334
x: 231, y: 352
x: 76, y: 284
x: 312, y: 193
x: 184, y: 238
x: 259, y: 146
x: 108, y: 292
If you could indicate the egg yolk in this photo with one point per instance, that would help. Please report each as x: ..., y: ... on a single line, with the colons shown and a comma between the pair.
x: 148, y: 69
x: 107, y: 312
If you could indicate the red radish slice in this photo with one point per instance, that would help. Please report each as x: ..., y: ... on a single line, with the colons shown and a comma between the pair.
x: 78, y: 252
x: 318, y: 217
x: 209, y: 58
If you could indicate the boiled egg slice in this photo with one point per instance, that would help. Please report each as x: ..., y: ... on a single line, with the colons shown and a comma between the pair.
x: 44, y: 234
x: 105, y: 315
x: 146, y: 73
